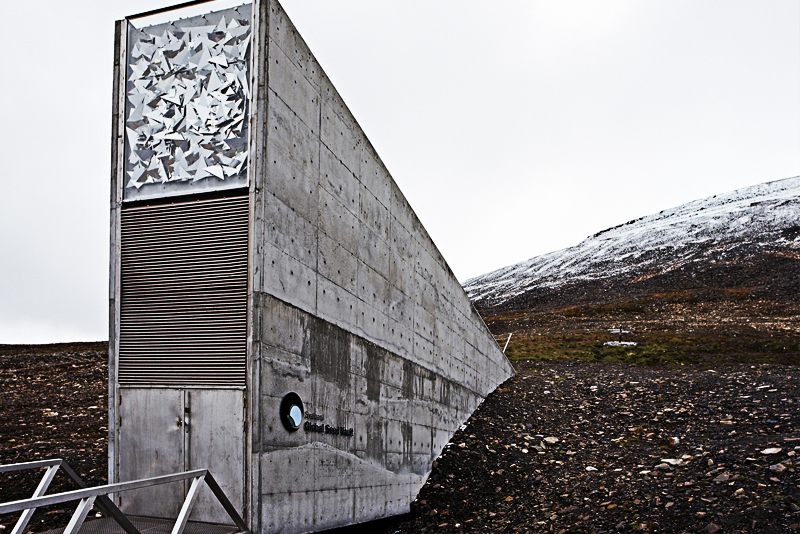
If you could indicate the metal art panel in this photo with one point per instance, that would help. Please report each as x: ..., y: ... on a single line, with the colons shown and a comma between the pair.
x: 216, y: 437
x: 188, y: 93
x: 151, y: 444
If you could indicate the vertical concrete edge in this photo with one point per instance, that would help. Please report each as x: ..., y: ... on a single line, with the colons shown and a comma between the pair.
x: 258, y: 140
x: 117, y: 177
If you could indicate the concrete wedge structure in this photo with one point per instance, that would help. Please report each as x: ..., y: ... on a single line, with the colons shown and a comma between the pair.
x: 279, y: 315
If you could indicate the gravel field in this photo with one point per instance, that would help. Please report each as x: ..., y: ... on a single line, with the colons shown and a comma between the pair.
x: 609, y: 447
x: 53, y: 404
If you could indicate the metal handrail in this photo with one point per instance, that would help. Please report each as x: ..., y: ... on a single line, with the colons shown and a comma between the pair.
x: 8, y: 468
x: 87, y: 497
x: 103, y: 502
x: 74, y: 495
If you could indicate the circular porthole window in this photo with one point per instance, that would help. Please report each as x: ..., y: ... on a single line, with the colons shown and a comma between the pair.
x: 292, y: 411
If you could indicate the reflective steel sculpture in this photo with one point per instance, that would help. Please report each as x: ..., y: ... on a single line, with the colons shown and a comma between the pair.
x: 188, y: 91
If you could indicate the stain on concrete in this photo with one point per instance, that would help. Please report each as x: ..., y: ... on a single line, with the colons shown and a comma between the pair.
x: 374, y: 367
x: 408, y: 379
x: 445, y: 393
x: 408, y: 440
x: 375, y: 431
x: 329, y: 351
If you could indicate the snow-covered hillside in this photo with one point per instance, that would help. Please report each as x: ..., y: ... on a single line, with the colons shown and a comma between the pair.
x: 702, y: 230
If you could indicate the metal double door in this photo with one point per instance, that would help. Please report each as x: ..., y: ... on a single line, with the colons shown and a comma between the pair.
x: 169, y: 430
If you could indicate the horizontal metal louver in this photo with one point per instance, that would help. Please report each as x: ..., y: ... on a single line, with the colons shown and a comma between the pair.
x: 183, y: 310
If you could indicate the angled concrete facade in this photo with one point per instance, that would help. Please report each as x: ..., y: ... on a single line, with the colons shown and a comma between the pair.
x: 350, y: 306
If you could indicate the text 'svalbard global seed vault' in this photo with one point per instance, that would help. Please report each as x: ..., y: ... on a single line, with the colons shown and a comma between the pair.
x: 279, y: 314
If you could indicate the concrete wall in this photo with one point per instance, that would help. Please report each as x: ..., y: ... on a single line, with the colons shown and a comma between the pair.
x: 354, y: 309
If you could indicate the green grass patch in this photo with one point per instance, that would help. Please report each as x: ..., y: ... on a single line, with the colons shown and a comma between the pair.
x: 657, y: 347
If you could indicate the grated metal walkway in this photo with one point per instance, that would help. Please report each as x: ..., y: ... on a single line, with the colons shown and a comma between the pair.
x: 147, y: 525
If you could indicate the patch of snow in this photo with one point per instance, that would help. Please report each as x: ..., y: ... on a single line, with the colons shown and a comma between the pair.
x: 681, y: 235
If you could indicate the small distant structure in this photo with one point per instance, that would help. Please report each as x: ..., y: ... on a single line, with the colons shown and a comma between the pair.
x: 499, y: 338
x: 620, y: 343
x: 507, y: 342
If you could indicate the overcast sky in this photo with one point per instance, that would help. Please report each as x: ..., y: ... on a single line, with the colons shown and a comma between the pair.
x: 514, y: 128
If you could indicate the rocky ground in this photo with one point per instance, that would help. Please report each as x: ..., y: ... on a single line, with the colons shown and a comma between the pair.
x: 53, y: 404
x: 565, y: 446
x: 570, y: 446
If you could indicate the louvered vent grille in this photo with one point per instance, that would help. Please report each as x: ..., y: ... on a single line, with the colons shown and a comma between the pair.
x: 183, y: 310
